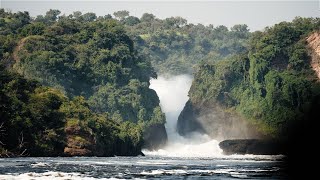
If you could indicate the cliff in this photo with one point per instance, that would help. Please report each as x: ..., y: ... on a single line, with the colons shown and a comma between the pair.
x: 314, y: 50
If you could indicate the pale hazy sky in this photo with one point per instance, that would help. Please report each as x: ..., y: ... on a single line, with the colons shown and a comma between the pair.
x: 256, y: 14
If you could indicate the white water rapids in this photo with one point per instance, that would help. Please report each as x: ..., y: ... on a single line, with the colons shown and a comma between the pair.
x: 173, y: 94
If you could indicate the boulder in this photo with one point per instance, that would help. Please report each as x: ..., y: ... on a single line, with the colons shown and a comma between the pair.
x: 77, y: 152
x: 251, y: 146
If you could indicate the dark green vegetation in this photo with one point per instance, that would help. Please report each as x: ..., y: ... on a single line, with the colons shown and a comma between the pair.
x: 271, y: 85
x: 74, y: 85
x: 175, y: 47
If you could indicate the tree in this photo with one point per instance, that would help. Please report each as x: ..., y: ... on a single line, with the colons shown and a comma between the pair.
x: 77, y: 14
x: 108, y: 16
x: 52, y: 15
x: 147, y: 17
x: 40, y: 18
x: 121, y: 15
x: 176, y: 21
x: 23, y: 17
x: 33, y: 29
x: 131, y: 21
x: 89, y: 17
x: 240, y: 28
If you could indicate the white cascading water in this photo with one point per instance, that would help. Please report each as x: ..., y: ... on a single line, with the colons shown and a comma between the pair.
x: 173, y: 94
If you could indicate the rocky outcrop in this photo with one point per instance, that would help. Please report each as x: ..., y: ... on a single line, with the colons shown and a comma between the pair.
x: 187, y: 121
x: 314, y: 45
x: 155, y: 137
x: 79, y: 142
x: 251, y: 146
x: 77, y: 152
x: 215, y: 121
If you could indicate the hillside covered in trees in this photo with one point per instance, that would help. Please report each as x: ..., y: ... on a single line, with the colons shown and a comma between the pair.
x: 175, y: 46
x: 272, y: 86
x: 74, y: 85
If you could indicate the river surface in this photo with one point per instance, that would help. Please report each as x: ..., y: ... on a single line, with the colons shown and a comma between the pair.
x: 148, y: 167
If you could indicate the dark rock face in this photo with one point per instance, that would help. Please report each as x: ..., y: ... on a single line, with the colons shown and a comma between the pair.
x: 187, y: 120
x: 155, y: 137
x: 251, y: 146
x: 215, y: 121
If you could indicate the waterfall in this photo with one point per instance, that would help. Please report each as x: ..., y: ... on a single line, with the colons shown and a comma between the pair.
x: 173, y: 94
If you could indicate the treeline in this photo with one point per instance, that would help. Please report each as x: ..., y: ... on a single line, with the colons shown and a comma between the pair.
x: 175, y: 46
x: 73, y: 85
x: 271, y: 84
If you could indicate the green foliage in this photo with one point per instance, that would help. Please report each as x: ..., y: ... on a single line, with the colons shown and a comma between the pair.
x: 111, y: 137
x: 93, y: 59
x: 173, y: 46
x: 82, y: 57
x: 271, y: 84
x: 214, y: 81
x: 158, y: 117
x: 41, y: 121
x: 127, y: 102
x: 75, y: 57
x: 30, y: 116
x: 121, y: 14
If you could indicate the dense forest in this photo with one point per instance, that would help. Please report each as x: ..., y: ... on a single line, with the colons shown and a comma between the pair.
x: 78, y: 84
x: 176, y: 47
x: 74, y: 85
x: 272, y: 85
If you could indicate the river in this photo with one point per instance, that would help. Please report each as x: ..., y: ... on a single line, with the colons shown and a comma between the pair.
x: 148, y: 167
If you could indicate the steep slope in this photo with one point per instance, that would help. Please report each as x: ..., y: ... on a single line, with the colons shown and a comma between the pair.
x: 314, y: 45
x: 16, y: 50
x: 101, y: 66
x: 270, y: 89
x: 90, y: 62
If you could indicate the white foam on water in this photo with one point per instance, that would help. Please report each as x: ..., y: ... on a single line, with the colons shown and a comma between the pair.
x: 39, y: 164
x: 50, y: 175
x: 232, y: 172
x: 163, y: 171
x: 42, y: 176
x: 153, y: 172
x: 178, y: 149
x: 252, y: 157
x: 238, y: 175
x: 151, y: 163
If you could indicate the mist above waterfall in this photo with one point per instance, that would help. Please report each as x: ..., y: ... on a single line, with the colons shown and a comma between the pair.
x: 173, y: 94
